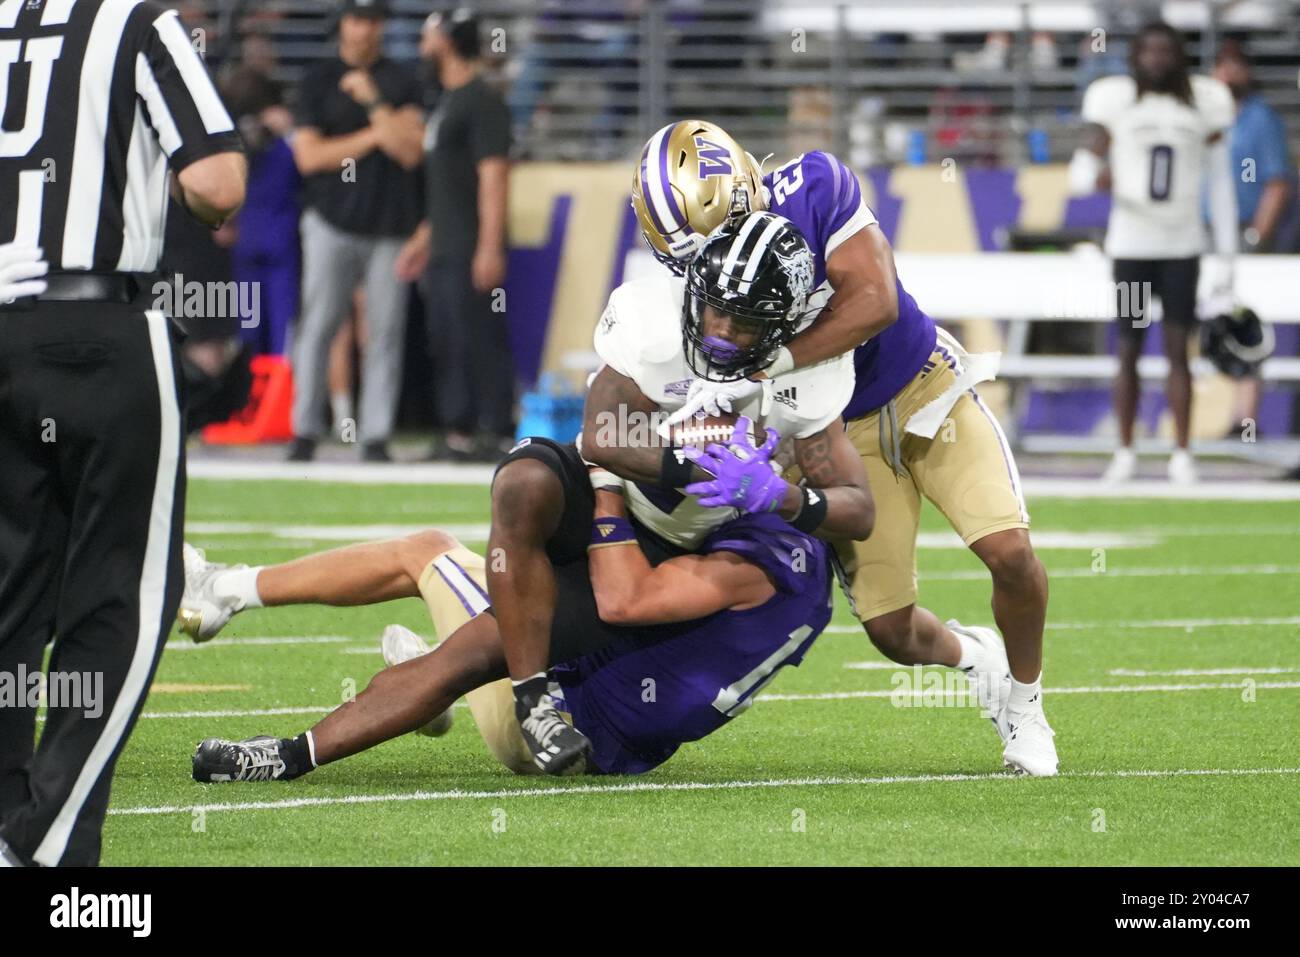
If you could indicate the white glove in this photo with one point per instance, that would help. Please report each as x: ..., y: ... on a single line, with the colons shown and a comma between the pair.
x: 713, y: 398
x: 1220, y: 296
x: 21, y: 267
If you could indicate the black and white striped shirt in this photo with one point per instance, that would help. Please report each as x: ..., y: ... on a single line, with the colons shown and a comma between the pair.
x: 98, y: 97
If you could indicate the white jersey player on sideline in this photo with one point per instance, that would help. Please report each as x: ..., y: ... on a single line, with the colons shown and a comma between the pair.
x: 1156, y: 141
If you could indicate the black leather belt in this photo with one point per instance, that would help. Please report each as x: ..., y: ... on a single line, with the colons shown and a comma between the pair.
x: 95, y: 287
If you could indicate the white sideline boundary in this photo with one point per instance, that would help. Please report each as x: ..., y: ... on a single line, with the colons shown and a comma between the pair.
x: 814, y: 696
x: 1183, y: 623
x: 651, y: 786
x: 1050, y: 692
x: 434, y: 473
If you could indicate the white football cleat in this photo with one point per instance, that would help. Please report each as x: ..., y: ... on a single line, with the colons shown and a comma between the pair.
x: 990, y: 682
x: 1122, y: 467
x: 202, y: 613
x: 1182, y: 468
x: 1030, y: 749
x: 399, y: 644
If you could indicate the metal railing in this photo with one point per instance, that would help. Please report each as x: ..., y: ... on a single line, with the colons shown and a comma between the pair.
x: 880, y: 82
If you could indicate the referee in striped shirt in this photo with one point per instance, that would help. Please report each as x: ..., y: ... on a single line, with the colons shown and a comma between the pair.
x: 105, y: 109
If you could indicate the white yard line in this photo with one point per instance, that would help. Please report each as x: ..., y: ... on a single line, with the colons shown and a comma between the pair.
x: 650, y: 786
x: 1184, y: 623
x: 1235, y: 622
x: 341, y: 532
x: 1049, y: 691
x: 185, y: 644
x: 1120, y: 571
x: 946, y: 539
x: 819, y: 696
x: 446, y: 474
x: 407, y: 473
x: 1188, y: 672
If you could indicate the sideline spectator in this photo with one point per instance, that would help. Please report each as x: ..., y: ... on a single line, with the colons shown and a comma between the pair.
x: 1267, y: 210
x: 358, y: 145
x: 460, y: 248
x: 265, y: 248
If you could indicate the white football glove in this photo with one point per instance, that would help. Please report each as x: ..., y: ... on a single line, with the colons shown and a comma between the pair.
x: 1220, y: 295
x: 714, y: 398
x: 21, y: 269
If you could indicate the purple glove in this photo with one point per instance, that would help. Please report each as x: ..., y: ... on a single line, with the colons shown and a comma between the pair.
x: 742, y: 473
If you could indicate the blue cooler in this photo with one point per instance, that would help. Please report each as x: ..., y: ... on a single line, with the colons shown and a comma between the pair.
x: 553, y: 410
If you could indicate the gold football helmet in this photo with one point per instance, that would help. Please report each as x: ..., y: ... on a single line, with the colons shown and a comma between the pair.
x: 683, y: 187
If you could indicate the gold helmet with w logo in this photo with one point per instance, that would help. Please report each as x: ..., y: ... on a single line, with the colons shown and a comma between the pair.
x: 682, y: 188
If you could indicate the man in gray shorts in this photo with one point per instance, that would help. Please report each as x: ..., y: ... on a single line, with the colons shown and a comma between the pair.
x: 359, y: 145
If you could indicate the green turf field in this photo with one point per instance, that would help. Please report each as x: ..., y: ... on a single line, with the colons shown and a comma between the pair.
x: 1172, y: 677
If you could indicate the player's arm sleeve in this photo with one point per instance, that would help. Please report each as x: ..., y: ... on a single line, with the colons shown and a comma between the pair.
x: 833, y: 387
x: 834, y: 188
x: 180, y: 100
x: 1222, y: 197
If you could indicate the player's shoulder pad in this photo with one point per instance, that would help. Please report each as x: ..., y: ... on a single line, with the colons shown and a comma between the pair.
x: 644, y: 317
x: 1105, y: 96
x: 1214, y: 101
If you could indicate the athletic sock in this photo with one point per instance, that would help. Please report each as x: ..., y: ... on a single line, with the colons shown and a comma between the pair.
x: 528, y: 692
x: 1026, y: 697
x: 239, y: 583
x: 299, y: 755
x: 341, y: 409
x: 972, y: 652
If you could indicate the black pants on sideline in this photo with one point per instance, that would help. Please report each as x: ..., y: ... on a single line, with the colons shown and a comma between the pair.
x: 92, y: 499
x: 474, y: 378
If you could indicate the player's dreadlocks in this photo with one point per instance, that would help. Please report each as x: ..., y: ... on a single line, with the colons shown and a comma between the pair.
x: 1180, y: 83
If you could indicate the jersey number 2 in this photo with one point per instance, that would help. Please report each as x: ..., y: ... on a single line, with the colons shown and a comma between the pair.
x: 1162, y: 171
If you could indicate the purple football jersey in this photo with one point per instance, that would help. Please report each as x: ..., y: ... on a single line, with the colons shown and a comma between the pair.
x: 822, y: 196
x: 641, y: 697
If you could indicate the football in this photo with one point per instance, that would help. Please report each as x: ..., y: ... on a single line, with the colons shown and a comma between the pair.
x: 704, y: 430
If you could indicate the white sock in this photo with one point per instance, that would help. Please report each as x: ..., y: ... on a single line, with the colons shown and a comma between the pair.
x: 341, y: 408
x: 311, y: 749
x: 972, y: 652
x: 1026, y: 697
x: 239, y: 583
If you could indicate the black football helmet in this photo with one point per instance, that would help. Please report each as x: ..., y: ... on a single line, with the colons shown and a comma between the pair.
x: 758, y: 269
x: 1237, y: 342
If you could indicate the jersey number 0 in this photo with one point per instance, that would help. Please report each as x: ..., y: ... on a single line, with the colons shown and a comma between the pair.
x: 1162, y: 171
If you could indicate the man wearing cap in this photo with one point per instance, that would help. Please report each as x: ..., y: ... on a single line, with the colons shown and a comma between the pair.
x: 459, y: 251
x: 359, y: 148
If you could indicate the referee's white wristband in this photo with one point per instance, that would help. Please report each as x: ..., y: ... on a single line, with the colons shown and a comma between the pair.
x: 783, y: 363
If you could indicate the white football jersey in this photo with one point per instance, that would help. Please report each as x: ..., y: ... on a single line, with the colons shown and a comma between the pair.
x: 1158, y: 148
x: 640, y: 336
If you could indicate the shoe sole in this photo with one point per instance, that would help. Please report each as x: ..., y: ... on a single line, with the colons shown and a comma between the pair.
x: 575, y: 765
x: 191, y: 623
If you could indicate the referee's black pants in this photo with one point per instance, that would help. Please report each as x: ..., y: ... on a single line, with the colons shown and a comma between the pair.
x: 92, y: 495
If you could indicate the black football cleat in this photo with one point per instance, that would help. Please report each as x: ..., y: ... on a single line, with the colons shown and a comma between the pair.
x: 257, y: 759
x: 558, y: 747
